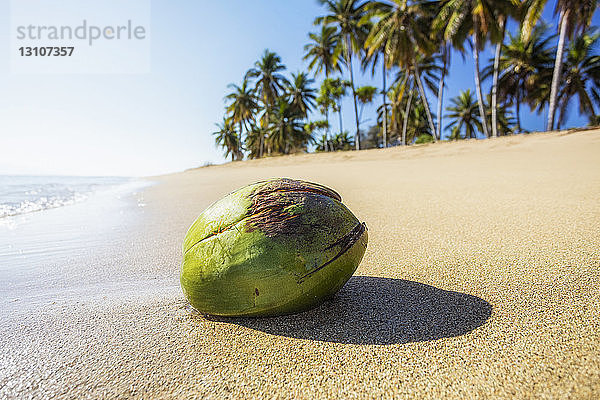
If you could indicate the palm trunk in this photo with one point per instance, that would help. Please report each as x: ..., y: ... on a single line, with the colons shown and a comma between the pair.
x: 425, y: 102
x: 384, y: 106
x: 495, y: 83
x: 260, y: 146
x: 517, y: 110
x: 239, y: 150
x: 441, y: 93
x: 405, y: 122
x: 564, y: 14
x: 262, y: 138
x: 349, y: 54
x: 340, y: 115
x: 478, y: 80
x: 327, y: 131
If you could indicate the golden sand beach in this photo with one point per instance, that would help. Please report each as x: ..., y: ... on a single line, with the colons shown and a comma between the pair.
x: 481, y: 280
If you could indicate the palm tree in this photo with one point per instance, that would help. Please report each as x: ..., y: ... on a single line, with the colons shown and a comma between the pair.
x: 228, y: 139
x: 315, y: 126
x: 524, y: 66
x: 408, y: 114
x: 503, y: 10
x: 243, y: 105
x: 325, y: 103
x: 506, y: 122
x: 581, y: 77
x: 347, y: 16
x: 445, y: 52
x: 504, y: 118
x: 401, y: 31
x: 255, y: 138
x: 323, y: 52
x: 463, y: 114
x: 286, y: 131
x: 454, y: 134
x: 383, y: 113
x: 323, y: 143
x: 401, y: 108
x: 419, y: 131
x: 331, y: 93
x: 364, y: 95
x: 342, y: 141
x: 301, y: 93
x: 270, y: 83
x: 323, y: 56
x: 393, y: 104
x: 372, y: 60
x: 428, y: 67
x: 459, y: 19
x: 574, y: 17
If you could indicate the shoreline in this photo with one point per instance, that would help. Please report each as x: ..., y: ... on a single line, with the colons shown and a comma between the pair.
x: 480, y: 279
x: 43, y: 254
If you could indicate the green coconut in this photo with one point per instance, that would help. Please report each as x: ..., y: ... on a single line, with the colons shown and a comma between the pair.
x: 274, y: 247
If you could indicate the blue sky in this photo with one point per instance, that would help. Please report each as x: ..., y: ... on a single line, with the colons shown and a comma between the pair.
x: 161, y: 121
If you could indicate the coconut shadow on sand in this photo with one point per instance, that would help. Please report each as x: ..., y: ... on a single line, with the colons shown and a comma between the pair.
x: 380, y: 311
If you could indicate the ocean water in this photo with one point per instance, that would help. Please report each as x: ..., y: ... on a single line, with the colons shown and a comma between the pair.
x: 27, y: 194
x: 61, y: 235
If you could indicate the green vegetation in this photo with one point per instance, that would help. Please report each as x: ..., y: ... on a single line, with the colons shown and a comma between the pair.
x: 412, y: 40
x: 464, y: 117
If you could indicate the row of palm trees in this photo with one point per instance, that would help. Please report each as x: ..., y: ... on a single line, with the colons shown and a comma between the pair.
x: 413, y: 41
x: 268, y: 113
x: 268, y: 109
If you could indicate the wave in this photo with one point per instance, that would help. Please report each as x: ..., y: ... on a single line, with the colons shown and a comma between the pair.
x: 43, y: 203
x: 27, y: 194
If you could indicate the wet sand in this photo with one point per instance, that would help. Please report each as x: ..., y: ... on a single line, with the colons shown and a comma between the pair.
x: 481, y: 280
